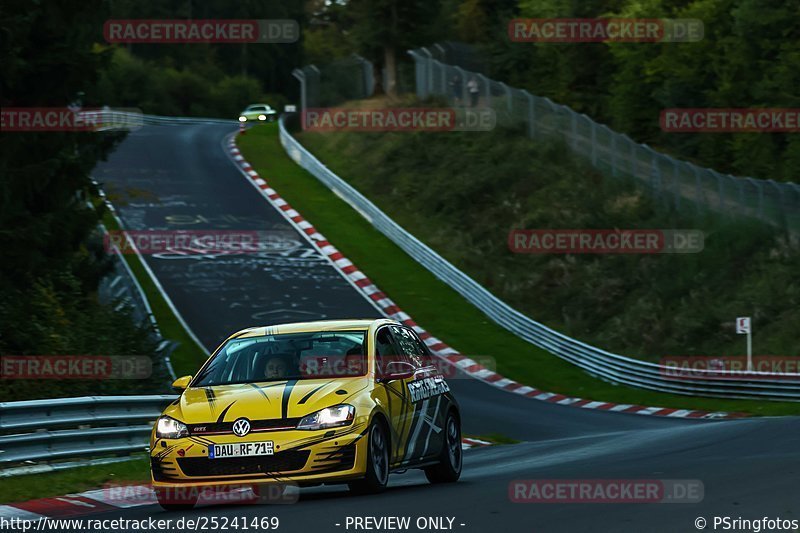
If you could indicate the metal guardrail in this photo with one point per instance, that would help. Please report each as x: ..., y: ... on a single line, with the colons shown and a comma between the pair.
x: 683, y: 184
x: 66, y: 428
x: 122, y: 289
x: 111, y: 119
x: 608, y: 366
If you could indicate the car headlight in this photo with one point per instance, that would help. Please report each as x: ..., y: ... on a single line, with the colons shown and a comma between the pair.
x: 330, y: 417
x: 169, y: 428
x: 262, y: 117
x: 242, y: 119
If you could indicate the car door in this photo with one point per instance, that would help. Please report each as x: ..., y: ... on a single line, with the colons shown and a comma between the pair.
x: 425, y: 394
x: 398, y: 403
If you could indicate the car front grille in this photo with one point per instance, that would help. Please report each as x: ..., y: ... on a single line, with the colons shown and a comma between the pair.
x: 271, y: 424
x: 279, y: 463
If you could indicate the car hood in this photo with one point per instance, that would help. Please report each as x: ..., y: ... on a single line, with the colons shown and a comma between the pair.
x: 264, y: 400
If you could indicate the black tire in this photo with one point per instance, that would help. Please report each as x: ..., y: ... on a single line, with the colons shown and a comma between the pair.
x: 377, y: 475
x: 187, y: 502
x: 448, y: 470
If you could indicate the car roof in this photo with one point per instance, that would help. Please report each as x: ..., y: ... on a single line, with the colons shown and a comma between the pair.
x: 256, y: 105
x: 351, y: 324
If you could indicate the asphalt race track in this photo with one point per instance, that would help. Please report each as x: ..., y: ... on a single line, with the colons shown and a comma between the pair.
x: 179, y: 177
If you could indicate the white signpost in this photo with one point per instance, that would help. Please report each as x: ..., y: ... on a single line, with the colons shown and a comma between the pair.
x: 743, y: 328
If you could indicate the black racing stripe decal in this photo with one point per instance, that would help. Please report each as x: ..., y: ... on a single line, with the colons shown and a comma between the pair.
x: 305, y: 443
x: 389, y: 392
x: 224, y: 411
x: 389, y: 389
x: 430, y: 419
x: 313, y: 473
x: 407, y: 405
x: 313, y: 442
x: 256, y: 387
x: 287, y: 392
x: 396, y: 436
x: 278, y: 384
x: 310, y: 394
x: 211, y: 398
x: 201, y: 440
x: 416, y: 417
x: 166, y: 451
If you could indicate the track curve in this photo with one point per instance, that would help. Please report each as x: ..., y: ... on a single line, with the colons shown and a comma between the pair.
x: 180, y: 177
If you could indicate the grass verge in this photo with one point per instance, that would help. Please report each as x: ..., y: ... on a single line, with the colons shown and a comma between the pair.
x: 438, y: 308
x: 188, y: 356
x: 186, y: 359
x: 72, y: 480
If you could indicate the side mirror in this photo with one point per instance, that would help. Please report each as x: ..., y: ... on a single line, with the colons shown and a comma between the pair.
x: 181, y: 383
x: 398, y: 370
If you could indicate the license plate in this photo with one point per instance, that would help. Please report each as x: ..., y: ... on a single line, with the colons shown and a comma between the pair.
x: 240, y: 449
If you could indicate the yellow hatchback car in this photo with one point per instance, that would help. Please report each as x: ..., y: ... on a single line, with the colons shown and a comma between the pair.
x: 342, y: 401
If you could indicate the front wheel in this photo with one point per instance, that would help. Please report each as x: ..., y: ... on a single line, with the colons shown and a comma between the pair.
x: 448, y: 469
x: 377, y: 475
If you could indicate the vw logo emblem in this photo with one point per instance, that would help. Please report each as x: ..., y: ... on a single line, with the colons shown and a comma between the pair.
x: 241, y: 427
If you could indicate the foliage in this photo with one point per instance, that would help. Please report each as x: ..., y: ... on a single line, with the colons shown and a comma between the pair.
x: 50, y: 268
x: 461, y: 193
x: 749, y: 57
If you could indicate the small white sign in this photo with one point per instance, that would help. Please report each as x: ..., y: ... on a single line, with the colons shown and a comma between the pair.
x: 290, y: 109
x: 743, y: 325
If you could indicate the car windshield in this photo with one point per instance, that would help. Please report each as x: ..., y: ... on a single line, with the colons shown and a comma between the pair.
x: 311, y: 355
x: 257, y: 108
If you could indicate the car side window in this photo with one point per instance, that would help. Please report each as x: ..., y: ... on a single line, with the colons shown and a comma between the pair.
x: 421, y: 347
x: 410, y: 346
x: 383, y: 343
x: 387, y: 349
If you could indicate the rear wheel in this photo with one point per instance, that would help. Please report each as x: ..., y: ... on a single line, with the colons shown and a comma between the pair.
x: 449, y: 468
x: 377, y: 475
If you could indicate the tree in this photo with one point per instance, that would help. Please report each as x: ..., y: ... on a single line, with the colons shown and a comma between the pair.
x: 51, y: 267
x: 383, y: 28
